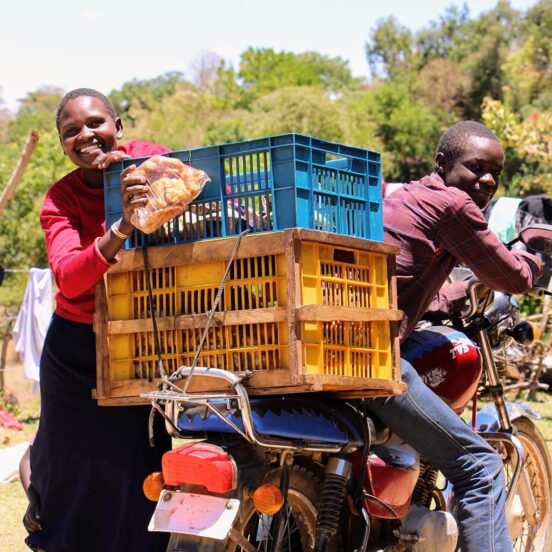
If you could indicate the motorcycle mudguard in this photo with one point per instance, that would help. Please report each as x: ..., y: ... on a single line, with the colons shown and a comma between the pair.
x: 487, y: 419
x: 295, y: 417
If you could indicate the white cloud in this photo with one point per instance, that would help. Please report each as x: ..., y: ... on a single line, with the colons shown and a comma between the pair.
x: 91, y: 14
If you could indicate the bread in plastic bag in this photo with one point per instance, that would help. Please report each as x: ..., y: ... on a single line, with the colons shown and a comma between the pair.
x: 173, y: 185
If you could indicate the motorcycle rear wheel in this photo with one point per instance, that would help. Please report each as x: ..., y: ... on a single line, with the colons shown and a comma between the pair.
x: 303, y: 497
x: 538, y: 465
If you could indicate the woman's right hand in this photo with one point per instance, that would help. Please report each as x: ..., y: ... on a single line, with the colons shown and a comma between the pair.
x: 31, y: 520
x: 133, y: 195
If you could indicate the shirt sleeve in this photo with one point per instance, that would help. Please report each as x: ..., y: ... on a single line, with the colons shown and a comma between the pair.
x: 450, y: 300
x: 464, y: 232
x: 75, y: 267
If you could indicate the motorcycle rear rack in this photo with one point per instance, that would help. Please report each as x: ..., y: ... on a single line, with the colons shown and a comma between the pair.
x: 238, y: 393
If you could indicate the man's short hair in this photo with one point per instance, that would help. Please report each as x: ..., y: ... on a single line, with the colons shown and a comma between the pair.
x: 89, y: 92
x: 453, y: 141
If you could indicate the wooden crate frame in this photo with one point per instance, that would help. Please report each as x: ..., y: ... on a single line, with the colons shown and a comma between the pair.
x: 278, y: 381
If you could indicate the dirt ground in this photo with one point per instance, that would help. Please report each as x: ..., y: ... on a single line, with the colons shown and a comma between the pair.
x: 26, y: 407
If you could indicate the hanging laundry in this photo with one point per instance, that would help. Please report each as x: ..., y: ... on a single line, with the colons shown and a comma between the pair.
x: 33, y: 320
x: 502, y: 218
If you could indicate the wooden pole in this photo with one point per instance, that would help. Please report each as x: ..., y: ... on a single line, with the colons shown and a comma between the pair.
x: 7, y: 336
x: 28, y: 149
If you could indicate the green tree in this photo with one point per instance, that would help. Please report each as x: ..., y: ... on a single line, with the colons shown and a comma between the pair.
x: 389, y: 49
x: 306, y: 110
x: 263, y: 70
x: 21, y: 238
x: 408, y: 131
x: 528, y: 148
x: 139, y: 95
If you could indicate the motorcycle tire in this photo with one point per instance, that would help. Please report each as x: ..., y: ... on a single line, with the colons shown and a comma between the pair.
x: 303, y: 497
x: 538, y: 464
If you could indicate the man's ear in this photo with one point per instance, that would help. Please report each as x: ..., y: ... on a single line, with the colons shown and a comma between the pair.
x: 119, y: 127
x: 440, y: 163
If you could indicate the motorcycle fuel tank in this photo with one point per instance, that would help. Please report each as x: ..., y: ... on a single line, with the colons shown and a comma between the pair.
x: 448, y: 362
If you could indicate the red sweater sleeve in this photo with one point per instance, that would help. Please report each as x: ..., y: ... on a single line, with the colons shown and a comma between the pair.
x: 74, y: 258
x: 73, y: 218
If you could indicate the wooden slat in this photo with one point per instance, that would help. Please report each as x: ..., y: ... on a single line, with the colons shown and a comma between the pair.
x: 394, y: 388
x: 102, y: 350
x: 256, y: 245
x: 260, y: 378
x: 304, y: 234
x: 295, y: 349
x: 349, y: 382
x: 329, y: 313
x: 182, y: 322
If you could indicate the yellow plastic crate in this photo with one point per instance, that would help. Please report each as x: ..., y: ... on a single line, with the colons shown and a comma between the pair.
x: 302, y: 309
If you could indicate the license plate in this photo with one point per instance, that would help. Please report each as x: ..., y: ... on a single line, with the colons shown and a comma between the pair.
x: 194, y: 514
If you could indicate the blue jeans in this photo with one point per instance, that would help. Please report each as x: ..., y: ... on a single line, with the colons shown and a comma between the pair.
x: 427, y: 424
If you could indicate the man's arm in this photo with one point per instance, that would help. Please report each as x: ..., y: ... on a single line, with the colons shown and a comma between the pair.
x: 464, y: 232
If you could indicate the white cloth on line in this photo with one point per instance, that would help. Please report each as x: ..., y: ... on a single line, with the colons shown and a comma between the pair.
x: 33, y: 320
x: 9, y: 461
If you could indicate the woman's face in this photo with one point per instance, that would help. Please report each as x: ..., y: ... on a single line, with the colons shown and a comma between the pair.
x: 87, y: 131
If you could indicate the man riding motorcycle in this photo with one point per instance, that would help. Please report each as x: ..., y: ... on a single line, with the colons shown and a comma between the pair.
x: 437, y: 222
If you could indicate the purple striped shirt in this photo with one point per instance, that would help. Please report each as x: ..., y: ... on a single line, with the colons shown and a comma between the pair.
x: 437, y: 227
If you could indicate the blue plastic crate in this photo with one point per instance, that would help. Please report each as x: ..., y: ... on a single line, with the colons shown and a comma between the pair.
x: 270, y: 184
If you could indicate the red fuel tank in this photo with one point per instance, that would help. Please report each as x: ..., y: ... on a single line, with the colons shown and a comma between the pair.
x: 448, y: 362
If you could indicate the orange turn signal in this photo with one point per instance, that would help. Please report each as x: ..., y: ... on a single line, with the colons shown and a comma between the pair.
x: 536, y: 333
x: 153, y: 485
x: 267, y: 499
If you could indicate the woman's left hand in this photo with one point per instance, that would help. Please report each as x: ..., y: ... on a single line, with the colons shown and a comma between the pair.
x: 111, y: 157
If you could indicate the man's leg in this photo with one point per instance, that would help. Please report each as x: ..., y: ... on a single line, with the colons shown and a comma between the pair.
x: 427, y: 424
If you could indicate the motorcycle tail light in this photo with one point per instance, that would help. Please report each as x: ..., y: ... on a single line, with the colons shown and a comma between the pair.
x: 267, y: 499
x: 201, y: 464
x: 153, y: 485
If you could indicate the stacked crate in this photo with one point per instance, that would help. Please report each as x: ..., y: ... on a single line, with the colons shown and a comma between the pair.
x: 303, y: 309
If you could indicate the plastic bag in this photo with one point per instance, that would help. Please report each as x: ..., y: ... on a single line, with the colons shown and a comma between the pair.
x: 173, y: 185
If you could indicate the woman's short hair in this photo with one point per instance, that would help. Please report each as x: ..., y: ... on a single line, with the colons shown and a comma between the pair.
x: 89, y: 92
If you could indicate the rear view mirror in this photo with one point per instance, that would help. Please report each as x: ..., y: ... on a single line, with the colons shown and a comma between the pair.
x: 538, y: 237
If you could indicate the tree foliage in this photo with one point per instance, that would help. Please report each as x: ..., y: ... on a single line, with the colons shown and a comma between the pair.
x: 494, y: 68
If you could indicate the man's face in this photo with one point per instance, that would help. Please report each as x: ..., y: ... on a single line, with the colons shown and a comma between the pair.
x: 87, y: 131
x: 476, y: 171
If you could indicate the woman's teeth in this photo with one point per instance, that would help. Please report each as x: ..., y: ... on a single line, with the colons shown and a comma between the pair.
x: 90, y: 149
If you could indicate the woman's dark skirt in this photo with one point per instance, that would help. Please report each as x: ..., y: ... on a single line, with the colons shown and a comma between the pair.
x: 88, y: 462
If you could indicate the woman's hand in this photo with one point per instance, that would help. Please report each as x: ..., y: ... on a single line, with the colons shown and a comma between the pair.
x: 111, y: 157
x: 31, y: 520
x: 133, y: 195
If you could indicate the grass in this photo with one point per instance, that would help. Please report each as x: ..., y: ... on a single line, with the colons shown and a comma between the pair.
x: 13, y: 501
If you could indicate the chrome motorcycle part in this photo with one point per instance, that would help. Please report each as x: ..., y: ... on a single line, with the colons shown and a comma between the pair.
x: 241, y: 397
x: 534, y: 535
x: 428, y: 531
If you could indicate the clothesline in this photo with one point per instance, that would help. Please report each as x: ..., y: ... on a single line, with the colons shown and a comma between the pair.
x: 17, y: 270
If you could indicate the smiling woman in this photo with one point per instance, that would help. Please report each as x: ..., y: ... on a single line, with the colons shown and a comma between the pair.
x: 88, y: 462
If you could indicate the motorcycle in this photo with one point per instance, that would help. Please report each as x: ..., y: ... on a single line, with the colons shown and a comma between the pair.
x: 306, y: 473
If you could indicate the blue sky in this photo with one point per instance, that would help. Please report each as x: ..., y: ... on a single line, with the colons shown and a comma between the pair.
x: 69, y: 43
